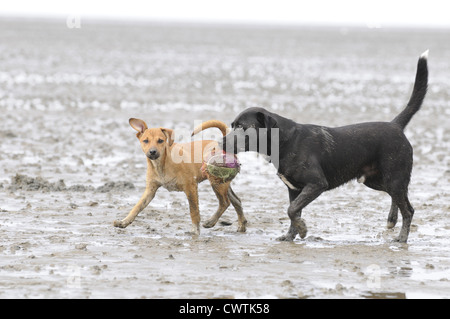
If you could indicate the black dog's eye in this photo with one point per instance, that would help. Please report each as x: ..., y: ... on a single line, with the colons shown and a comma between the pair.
x: 160, y: 141
x: 145, y: 141
x: 236, y: 125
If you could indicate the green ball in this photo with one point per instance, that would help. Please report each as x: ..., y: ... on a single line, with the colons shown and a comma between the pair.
x: 223, y: 166
x: 224, y: 173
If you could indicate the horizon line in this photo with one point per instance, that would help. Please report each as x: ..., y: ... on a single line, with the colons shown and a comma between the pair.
x: 223, y: 21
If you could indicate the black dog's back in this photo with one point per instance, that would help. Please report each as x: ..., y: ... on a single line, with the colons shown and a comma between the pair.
x: 368, y: 148
x: 356, y: 150
x: 365, y: 149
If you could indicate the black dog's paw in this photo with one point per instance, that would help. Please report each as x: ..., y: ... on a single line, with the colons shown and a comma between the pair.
x: 300, y: 225
x: 400, y: 240
x: 285, y: 238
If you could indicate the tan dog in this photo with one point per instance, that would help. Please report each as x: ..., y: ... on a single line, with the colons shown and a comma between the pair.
x: 176, y: 167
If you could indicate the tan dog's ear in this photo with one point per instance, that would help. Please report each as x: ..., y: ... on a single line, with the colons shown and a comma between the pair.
x: 169, y: 135
x: 138, y: 125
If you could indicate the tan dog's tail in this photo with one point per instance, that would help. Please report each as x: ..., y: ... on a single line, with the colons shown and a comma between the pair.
x: 211, y: 123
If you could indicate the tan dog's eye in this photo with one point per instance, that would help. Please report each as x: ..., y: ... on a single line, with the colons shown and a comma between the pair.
x: 145, y: 141
x: 160, y: 141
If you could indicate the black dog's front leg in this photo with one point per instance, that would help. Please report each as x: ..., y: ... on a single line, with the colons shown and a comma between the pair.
x: 292, y: 232
x: 307, y: 195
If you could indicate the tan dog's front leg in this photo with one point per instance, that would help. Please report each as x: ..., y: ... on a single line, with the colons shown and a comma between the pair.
x: 146, y: 198
x: 192, y: 195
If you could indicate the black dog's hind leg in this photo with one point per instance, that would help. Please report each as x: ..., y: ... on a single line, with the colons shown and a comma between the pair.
x: 393, y: 215
x: 376, y: 182
x: 407, y: 212
x: 309, y: 193
x: 397, y: 187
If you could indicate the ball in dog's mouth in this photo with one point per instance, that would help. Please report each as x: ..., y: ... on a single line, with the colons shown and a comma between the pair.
x: 224, y: 166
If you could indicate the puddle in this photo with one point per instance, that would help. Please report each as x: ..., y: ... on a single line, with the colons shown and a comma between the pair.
x: 384, y: 295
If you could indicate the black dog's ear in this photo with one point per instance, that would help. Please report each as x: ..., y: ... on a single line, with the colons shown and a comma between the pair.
x: 266, y: 120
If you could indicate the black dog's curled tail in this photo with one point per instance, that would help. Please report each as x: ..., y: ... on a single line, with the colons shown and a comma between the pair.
x: 418, y: 94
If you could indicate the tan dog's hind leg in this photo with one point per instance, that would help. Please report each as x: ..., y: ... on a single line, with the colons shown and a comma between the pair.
x: 146, y: 198
x: 192, y: 194
x: 236, y: 202
x: 221, y: 191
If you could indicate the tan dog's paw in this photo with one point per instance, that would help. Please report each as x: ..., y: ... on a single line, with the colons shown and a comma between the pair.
x: 195, y: 230
x: 209, y: 223
x: 120, y: 224
x: 241, y: 229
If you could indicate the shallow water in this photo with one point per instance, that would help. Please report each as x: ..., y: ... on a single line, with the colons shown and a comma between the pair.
x: 66, y: 96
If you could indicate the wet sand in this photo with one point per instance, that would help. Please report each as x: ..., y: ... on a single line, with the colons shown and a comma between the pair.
x: 70, y: 164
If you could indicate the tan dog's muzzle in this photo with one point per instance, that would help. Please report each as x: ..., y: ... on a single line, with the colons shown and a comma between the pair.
x: 153, y: 154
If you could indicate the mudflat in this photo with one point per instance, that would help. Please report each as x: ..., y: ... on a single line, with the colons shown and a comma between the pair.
x: 70, y: 164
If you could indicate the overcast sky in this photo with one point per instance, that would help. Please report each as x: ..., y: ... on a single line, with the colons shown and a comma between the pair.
x: 372, y: 13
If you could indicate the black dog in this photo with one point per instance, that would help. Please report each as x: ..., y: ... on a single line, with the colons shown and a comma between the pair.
x: 314, y: 159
